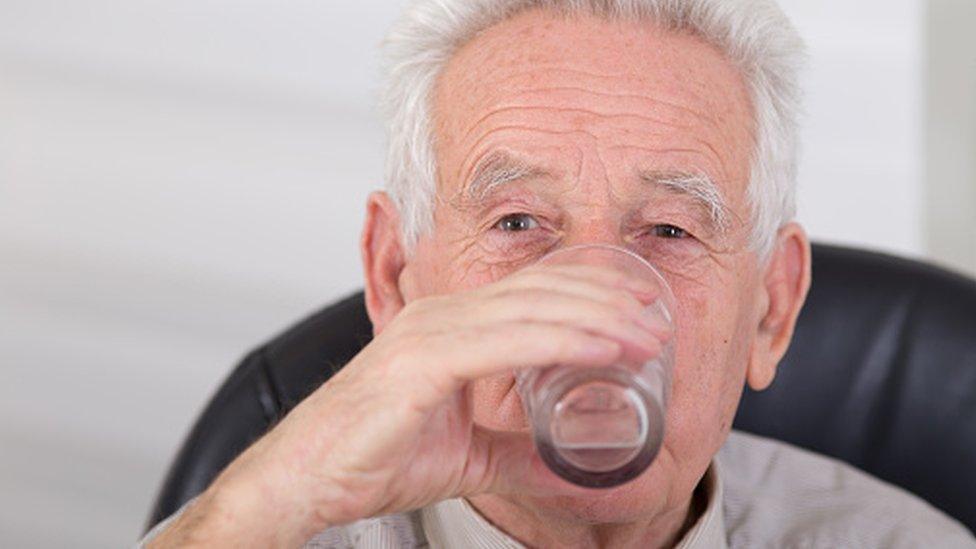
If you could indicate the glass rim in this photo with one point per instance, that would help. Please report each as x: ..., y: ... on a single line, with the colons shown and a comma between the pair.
x: 668, y: 294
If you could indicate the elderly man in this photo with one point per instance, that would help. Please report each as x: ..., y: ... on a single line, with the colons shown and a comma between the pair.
x: 518, y: 127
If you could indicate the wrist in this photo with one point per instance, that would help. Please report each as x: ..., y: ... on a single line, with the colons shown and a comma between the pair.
x: 268, y: 511
x: 237, y: 513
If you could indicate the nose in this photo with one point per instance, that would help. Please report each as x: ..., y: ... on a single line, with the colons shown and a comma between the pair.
x: 601, y: 227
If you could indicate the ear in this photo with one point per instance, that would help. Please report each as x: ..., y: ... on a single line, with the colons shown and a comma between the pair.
x: 383, y: 260
x: 786, y: 281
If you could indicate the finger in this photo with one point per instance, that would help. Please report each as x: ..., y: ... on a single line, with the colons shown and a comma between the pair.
x: 509, y: 463
x: 645, y: 305
x: 448, y: 360
x: 650, y: 313
x: 579, y: 286
x: 498, y: 462
x: 629, y: 325
x: 644, y: 287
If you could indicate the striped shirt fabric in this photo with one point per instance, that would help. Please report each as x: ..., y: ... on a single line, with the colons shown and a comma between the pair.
x: 760, y: 493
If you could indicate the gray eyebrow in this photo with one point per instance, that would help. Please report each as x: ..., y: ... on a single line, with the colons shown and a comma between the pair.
x: 699, y: 188
x: 500, y: 167
x: 497, y: 169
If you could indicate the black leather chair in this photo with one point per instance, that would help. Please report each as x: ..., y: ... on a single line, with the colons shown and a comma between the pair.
x: 881, y: 374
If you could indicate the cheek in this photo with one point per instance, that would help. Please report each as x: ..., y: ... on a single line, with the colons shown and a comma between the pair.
x: 710, y: 360
x: 442, y: 265
x: 495, y: 404
x: 422, y: 276
x: 463, y: 263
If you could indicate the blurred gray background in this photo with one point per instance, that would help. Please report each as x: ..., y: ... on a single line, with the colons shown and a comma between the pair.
x: 180, y: 179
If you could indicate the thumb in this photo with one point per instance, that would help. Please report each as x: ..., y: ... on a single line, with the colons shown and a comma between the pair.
x: 512, y: 465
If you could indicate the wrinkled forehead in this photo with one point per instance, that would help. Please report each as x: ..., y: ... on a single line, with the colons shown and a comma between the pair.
x: 628, y: 85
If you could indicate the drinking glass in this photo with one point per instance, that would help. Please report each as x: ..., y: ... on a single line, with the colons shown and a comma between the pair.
x: 600, y: 427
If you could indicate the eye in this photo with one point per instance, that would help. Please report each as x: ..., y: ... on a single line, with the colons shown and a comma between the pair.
x: 669, y: 231
x: 517, y: 223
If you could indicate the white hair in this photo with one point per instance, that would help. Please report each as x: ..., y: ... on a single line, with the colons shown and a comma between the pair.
x: 755, y: 35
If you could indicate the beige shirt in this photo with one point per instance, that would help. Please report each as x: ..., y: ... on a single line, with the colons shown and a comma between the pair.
x: 760, y: 493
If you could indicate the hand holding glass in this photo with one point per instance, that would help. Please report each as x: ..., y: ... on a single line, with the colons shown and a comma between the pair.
x: 600, y: 427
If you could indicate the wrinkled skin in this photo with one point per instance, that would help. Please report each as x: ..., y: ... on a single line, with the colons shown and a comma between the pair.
x: 428, y: 410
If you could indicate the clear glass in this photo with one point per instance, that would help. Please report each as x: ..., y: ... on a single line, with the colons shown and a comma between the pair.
x: 600, y: 427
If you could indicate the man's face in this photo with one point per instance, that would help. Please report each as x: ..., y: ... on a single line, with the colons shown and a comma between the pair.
x: 552, y: 132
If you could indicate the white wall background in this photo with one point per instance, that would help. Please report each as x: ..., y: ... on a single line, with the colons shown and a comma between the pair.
x: 860, y: 180
x: 950, y: 176
x: 181, y: 178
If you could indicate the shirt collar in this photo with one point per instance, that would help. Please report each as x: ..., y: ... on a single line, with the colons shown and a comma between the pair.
x: 455, y: 523
x: 709, y: 529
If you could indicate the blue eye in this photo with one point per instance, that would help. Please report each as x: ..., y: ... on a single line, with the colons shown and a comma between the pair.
x: 669, y: 231
x: 517, y: 223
